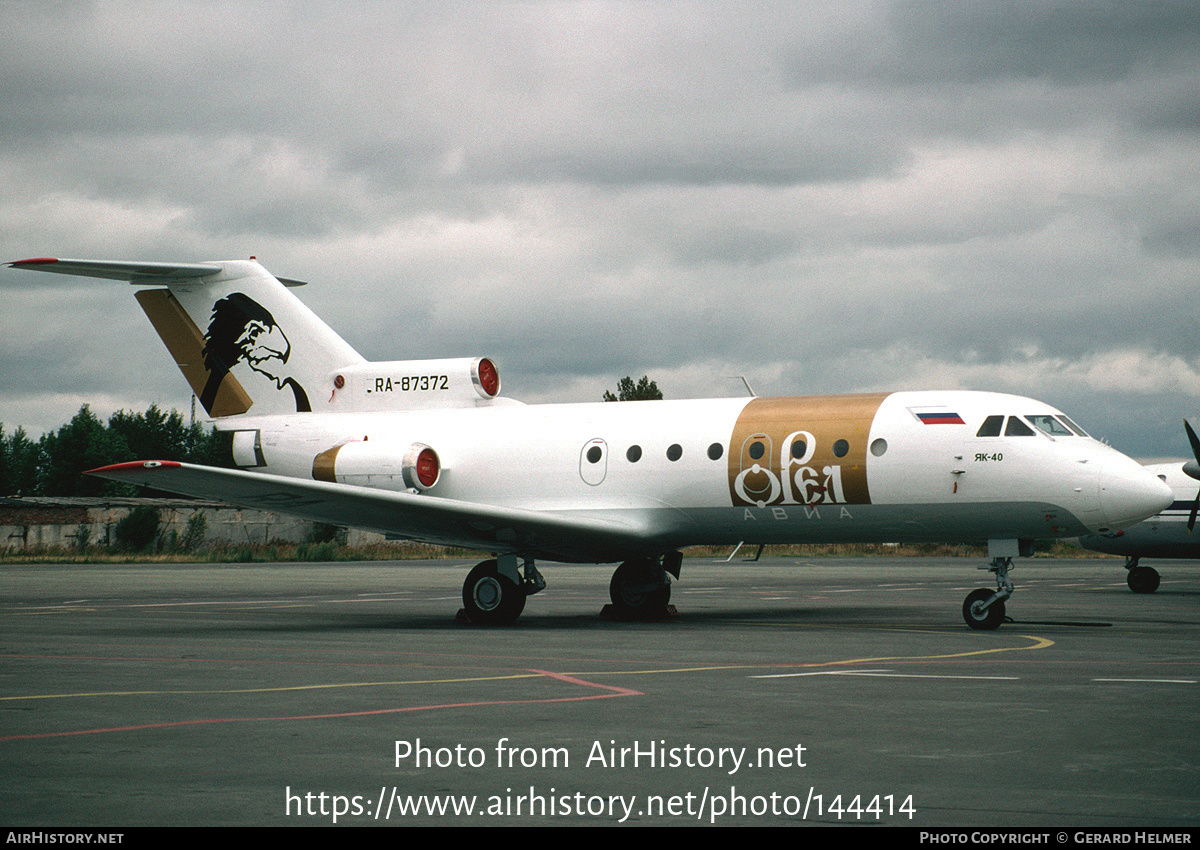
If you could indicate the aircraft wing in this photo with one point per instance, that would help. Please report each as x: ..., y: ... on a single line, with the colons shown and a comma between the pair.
x: 424, y: 518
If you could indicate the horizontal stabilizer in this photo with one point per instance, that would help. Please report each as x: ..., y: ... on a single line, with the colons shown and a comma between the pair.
x: 118, y: 270
x: 423, y: 518
x: 139, y: 273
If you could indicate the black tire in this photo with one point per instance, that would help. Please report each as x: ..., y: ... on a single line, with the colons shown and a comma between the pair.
x: 491, y: 598
x: 988, y: 620
x: 1143, y: 579
x: 638, y: 589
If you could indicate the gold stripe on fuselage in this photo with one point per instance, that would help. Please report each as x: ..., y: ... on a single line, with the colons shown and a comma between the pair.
x: 806, y: 450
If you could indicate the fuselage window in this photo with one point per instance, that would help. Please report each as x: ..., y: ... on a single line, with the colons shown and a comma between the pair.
x: 715, y: 451
x: 799, y: 447
x: 1050, y: 425
x: 990, y: 427
x: 674, y: 451
x: 594, y: 454
x: 878, y: 447
x: 840, y: 448
x: 757, y: 450
x: 634, y: 454
x: 1017, y: 428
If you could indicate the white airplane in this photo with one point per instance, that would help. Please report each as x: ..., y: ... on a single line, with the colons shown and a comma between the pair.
x: 1165, y: 535
x: 429, y: 450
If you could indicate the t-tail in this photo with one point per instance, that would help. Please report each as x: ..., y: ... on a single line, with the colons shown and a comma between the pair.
x: 247, y: 345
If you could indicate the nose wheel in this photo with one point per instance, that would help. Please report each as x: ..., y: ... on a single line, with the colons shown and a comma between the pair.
x: 983, y: 609
x: 1141, y: 579
x: 979, y: 614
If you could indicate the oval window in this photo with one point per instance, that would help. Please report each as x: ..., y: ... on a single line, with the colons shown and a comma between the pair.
x: 593, y: 461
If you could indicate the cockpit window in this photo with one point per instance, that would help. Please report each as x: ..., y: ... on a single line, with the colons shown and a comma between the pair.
x: 1017, y: 428
x: 1050, y: 425
x: 1067, y: 421
x: 990, y: 427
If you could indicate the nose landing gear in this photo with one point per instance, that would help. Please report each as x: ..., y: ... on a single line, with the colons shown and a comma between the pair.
x: 983, y: 609
x: 1141, y: 579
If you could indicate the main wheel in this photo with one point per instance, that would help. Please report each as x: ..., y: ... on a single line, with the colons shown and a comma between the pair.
x: 639, y: 588
x: 978, y: 618
x: 490, y: 597
x: 1143, y: 579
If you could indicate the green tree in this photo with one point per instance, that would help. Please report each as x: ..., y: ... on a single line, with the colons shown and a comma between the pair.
x: 197, y: 528
x: 82, y: 444
x: 54, y: 465
x: 153, y: 435
x: 20, y: 459
x: 627, y: 390
x: 138, y: 530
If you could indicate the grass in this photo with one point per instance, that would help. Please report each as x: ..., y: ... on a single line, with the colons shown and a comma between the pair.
x: 282, y: 551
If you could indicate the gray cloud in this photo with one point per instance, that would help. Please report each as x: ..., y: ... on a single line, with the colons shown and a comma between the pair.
x: 818, y: 197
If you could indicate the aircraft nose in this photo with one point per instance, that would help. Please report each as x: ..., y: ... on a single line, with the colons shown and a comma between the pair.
x: 1130, y: 494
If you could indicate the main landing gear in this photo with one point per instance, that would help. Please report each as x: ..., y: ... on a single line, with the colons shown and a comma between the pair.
x: 494, y: 593
x: 1140, y: 579
x: 641, y: 589
x: 984, y: 609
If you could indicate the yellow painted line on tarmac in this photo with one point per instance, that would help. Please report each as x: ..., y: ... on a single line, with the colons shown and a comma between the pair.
x: 278, y: 689
x: 1038, y: 643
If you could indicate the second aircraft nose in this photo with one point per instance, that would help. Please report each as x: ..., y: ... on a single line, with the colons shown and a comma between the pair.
x: 1129, y: 494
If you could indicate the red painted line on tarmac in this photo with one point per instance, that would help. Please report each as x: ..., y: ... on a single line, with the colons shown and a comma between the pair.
x: 620, y: 692
x: 615, y: 692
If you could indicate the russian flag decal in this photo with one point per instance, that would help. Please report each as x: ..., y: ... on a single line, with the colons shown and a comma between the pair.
x: 938, y: 417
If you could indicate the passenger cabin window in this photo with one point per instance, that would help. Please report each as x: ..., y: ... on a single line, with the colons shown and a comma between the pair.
x: 990, y: 427
x: 1050, y: 425
x: 1017, y: 428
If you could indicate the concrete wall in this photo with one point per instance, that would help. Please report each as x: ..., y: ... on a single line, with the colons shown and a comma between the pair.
x: 29, y: 523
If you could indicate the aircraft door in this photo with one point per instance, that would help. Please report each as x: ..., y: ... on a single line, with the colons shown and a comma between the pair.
x: 593, y: 461
x: 756, y: 481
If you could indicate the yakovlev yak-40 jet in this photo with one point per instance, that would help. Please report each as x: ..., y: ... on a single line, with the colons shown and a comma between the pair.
x: 429, y: 450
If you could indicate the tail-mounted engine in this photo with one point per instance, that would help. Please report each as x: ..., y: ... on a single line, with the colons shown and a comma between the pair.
x: 414, y: 385
x: 384, y: 464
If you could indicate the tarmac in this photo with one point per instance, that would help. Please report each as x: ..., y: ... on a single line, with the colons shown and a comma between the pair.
x: 832, y: 691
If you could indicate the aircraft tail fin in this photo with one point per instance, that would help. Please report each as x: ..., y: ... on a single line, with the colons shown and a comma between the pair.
x: 242, y: 340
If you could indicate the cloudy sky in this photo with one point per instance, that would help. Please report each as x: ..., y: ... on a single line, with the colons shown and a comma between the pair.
x: 821, y: 197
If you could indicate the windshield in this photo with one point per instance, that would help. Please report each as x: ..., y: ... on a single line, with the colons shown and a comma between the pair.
x: 1051, y: 426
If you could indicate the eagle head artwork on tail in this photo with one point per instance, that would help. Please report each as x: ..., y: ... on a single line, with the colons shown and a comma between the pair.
x: 241, y: 329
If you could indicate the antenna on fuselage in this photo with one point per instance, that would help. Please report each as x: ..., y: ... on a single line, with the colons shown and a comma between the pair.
x: 749, y: 389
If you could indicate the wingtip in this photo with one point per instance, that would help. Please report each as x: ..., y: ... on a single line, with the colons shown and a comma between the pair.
x: 134, y: 466
x: 35, y: 261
